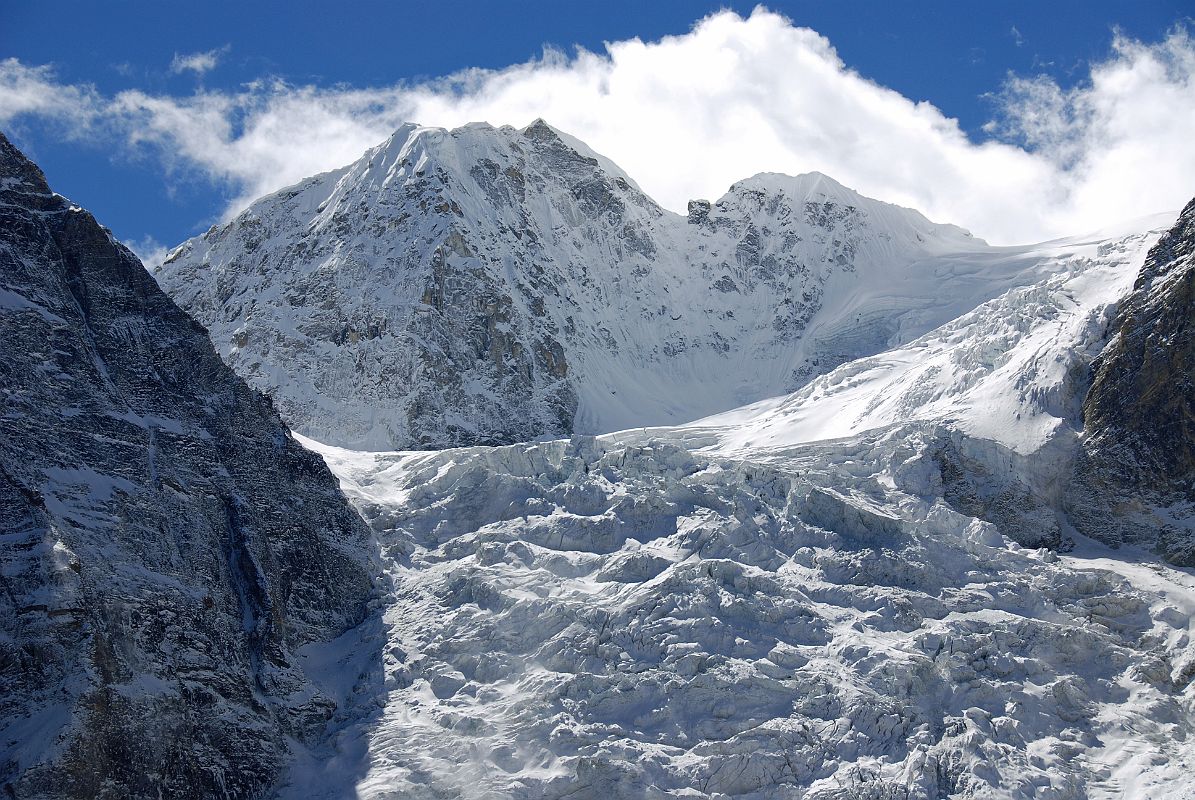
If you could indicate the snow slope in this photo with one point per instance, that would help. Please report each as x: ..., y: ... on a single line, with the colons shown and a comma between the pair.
x: 487, y: 285
x: 1010, y: 371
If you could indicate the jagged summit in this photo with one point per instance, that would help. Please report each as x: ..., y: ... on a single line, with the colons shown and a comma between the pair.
x: 490, y: 285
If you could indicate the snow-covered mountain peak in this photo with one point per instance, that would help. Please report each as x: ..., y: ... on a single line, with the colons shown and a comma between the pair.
x: 461, y: 148
x: 469, y: 175
x: 818, y: 200
x: 488, y: 285
x: 805, y: 186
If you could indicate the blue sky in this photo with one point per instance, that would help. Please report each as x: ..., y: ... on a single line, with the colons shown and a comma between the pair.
x: 163, y: 188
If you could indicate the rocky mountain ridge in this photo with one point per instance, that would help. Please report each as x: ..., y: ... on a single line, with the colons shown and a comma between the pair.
x: 170, y: 557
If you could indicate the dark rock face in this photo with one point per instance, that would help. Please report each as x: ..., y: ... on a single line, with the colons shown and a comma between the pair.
x: 1134, y: 477
x: 168, y: 549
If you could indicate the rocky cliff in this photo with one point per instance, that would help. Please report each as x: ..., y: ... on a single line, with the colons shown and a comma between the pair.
x: 170, y: 554
x: 1134, y: 477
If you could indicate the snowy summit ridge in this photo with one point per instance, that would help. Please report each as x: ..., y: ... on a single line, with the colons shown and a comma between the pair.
x: 486, y: 285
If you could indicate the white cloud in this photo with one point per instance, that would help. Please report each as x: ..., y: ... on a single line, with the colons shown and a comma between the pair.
x: 1124, y: 139
x: 688, y: 115
x: 32, y: 91
x: 149, y: 250
x: 199, y: 63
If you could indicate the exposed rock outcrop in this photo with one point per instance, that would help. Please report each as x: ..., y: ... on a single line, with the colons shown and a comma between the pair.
x: 1134, y: 477
x: 168, y: 550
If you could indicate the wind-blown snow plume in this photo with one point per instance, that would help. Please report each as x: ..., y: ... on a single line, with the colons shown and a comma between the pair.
x: 735, y: 95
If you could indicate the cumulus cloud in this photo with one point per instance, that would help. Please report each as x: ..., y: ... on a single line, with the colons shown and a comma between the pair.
x: 688, y: 115
x: 199, y: 63
x: 1122, y: 140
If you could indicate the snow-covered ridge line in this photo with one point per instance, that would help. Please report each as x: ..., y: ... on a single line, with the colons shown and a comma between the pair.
x: 486, y: 285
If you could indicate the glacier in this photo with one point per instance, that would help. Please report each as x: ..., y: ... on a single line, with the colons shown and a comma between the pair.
x: 867, y: 588
x: 639, y: 615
